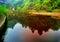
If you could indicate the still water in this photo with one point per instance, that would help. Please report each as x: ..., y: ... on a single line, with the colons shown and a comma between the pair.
x: 33, y: 29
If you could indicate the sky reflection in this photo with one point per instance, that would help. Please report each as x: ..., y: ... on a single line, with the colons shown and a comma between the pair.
x: 21, y: 34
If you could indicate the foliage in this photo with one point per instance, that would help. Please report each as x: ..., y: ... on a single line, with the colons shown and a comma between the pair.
x: 47, y: 5
x: 56, y: 3
x: 25, y: 5
x: 37, y: 5
x: 3, y: 10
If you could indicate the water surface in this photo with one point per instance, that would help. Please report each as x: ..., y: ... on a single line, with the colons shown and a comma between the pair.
x: 33, y: 29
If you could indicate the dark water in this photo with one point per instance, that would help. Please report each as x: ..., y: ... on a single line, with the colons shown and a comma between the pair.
x: 33, y: 29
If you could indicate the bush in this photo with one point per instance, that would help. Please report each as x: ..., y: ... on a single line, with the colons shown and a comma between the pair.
x: 49, y: 9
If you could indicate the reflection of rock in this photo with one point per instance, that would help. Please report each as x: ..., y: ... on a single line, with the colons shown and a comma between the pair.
x: 40, y: 23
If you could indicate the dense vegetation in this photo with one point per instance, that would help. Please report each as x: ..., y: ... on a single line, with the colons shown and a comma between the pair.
x: 28, y: 5
x: 47, y: 5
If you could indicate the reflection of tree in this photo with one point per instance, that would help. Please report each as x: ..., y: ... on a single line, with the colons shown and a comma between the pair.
x: 40, y: 23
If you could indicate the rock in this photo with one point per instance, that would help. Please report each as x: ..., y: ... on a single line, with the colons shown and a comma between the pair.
x: 2, y: 21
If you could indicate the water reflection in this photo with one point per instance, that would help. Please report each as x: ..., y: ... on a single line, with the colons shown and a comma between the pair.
x: 40, y: 23
x: 22, y: 34
x: 33, y: 29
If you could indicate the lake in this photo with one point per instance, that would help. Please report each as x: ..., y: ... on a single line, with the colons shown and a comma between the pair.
x: 32, y: 29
